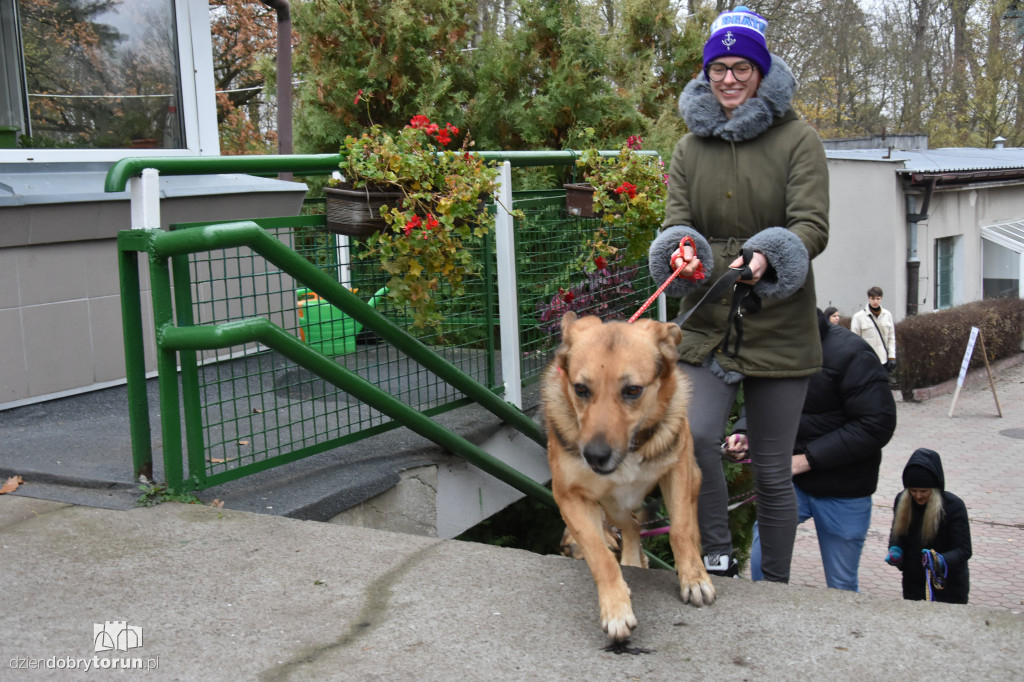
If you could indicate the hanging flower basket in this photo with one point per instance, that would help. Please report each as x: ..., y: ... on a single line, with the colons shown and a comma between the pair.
x: 579, y: 199
x: 356, y: 212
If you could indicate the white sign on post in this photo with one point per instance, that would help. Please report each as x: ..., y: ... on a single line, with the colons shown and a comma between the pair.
x: 975, y: 336
x: 967, y: 357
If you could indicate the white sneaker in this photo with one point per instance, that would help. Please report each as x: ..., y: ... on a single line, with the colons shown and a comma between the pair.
x: 721, y: 564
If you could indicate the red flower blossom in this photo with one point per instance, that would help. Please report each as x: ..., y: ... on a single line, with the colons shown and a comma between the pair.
x: 413, y: 223
x: 443, y: 138
x: 567, y: 296
x: 601, y: 262
x: 635, y: 142
x: 627, y: 188
x: 358, y: 96
x: 419, y: 121
x: 431, y: 222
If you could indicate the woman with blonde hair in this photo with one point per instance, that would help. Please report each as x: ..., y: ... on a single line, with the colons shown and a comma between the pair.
x: 930, y: 540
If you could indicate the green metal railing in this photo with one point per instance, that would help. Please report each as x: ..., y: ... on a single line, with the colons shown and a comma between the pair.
x: 241, y: 391
x: 180, y: 339
x: 299, y: 164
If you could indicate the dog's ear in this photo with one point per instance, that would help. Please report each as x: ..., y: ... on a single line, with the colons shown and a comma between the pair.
x: 567, y: 321
x: 669, y: 337
x: 562, y: 352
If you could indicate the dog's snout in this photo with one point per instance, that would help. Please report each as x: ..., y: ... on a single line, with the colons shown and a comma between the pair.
x: 598, y: 455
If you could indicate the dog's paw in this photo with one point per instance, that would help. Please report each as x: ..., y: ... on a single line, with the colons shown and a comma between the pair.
x: 698, y: 593
x: 619, y: 623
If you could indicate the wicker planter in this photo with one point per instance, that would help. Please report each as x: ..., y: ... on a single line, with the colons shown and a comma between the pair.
x: 579, y: 200
x: 356, y: 212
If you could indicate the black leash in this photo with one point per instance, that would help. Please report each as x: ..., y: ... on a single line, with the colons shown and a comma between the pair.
x: 743, y: 299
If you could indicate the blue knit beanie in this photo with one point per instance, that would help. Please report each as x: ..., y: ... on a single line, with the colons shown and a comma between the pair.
x: 739, y: 33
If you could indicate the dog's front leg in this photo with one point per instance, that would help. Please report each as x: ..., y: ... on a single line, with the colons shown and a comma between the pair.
x: 680, y: 489
x: 584, y: 520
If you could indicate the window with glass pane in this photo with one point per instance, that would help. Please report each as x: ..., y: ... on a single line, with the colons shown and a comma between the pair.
x: 101, y: 74
x: 944, y: 272
x: 1000, y: 277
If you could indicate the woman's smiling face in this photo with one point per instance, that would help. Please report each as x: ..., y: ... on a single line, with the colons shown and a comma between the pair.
x: 730, y: 92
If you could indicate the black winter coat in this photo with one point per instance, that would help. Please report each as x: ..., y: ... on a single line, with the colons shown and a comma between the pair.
x: 848, y: 416
x: 952, y: 541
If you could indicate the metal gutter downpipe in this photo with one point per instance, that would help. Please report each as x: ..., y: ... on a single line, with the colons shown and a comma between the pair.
x: 913, y: 262
x: 284, y: 78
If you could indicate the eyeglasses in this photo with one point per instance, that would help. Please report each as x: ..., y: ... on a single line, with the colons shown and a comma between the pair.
x: 741, y: 71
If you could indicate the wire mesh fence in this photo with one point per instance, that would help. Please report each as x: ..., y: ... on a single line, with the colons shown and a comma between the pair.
x: 248, y: 408
x: 552, y: 278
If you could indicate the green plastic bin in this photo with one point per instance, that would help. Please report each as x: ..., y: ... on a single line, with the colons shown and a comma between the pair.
x: 325, y: 328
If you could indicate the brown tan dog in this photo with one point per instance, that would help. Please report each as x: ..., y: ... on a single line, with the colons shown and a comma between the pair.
x: 615, y: 407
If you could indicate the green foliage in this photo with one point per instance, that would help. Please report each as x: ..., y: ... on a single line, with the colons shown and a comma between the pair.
x: 531, y: 83
x: 372, y: 62
x: 545, y: 78
x: 158, y: 493
x: 629, y: 195
x: 930, y: 348
x: 429, y: 231
x: 526, y: 524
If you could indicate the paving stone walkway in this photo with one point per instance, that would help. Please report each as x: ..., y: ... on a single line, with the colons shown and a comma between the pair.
x: 983, y: 458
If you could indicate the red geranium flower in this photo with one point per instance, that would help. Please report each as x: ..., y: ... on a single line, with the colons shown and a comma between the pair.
x: 413, y: 223
x: 601, y: 262
x: 419, y: 121
x: 627, y: 188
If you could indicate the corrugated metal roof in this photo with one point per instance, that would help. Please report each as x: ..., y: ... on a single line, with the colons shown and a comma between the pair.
x: 939, y: 160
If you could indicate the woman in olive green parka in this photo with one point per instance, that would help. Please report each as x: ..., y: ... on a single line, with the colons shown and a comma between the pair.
x: 750, y: 174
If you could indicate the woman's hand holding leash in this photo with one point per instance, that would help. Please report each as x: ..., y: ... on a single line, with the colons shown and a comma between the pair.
x: 758, y: 265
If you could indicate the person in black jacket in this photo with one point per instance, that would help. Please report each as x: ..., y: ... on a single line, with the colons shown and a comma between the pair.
x: 930, y: 539
x: 849, y: 415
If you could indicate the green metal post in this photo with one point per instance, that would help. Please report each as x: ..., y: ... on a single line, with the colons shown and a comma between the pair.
x: 135, y: 361
x: 167, y: 372
x: 195, y: 447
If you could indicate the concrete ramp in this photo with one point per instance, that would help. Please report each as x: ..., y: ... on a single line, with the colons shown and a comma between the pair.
x: 227, y: 595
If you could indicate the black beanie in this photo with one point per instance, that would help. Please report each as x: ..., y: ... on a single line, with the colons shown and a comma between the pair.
x: 917, y: 476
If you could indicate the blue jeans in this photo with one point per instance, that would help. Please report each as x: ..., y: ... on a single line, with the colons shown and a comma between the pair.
x: 841, y: 524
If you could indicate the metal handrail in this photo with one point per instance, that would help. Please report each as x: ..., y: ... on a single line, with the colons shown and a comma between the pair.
x: 248, y: 233
x: 302, y: 164
x: 206, y: 337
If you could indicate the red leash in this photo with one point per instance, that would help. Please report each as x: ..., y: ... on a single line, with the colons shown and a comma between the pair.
x: 697, y: 276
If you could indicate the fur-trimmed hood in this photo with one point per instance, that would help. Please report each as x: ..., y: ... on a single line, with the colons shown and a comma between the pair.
x: 705, y: 117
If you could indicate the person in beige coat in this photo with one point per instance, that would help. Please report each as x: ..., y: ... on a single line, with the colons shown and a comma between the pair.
x: 750, y: 175
x: 874, y: 324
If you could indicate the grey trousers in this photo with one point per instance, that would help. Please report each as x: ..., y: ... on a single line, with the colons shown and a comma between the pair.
x: 773, y: 408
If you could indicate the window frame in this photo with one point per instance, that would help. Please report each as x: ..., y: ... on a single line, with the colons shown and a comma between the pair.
x: 198, y: 102
x: 946, y: 278
x: 1010, y: 236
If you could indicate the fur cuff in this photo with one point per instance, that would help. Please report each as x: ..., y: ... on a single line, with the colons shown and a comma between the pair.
x: 788, y: 259
x: 661, y: 250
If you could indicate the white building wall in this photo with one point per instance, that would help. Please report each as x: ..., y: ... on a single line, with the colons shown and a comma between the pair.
x: 867, y: 238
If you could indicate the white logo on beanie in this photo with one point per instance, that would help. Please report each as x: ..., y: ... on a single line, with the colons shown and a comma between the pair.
x: 740, y: 19
x: 728, y: 40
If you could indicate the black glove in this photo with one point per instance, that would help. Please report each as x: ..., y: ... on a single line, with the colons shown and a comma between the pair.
x: 890, y: 366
